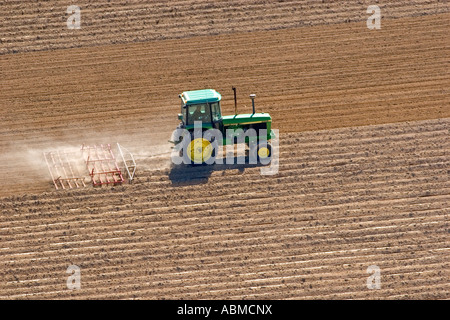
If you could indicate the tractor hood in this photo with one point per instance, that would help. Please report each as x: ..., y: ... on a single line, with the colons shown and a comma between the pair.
x: 246, y: 118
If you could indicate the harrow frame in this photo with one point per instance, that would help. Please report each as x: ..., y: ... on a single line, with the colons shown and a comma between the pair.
x: 102, y: 165
x: 100, y: 162
x: 64, y: 172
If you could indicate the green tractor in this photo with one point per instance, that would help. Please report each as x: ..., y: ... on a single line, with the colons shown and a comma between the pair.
x: 203, y: 107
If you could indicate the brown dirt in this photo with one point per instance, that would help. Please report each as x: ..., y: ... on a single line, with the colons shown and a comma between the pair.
x: 307, y: 78
x: 29, y: 25
x: 345, y: 198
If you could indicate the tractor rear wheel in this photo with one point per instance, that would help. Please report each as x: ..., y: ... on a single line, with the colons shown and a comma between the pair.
x: 199, y: 151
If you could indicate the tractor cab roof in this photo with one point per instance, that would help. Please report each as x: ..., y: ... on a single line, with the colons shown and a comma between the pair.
x: 200, y: 96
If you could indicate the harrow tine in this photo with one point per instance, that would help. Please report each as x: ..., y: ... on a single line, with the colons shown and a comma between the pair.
x: 71, y: 171
x: 116, y: 165
x: 56, y: 170
x: 50, y: 170
x: 67, y: 178
x: 101, y: 165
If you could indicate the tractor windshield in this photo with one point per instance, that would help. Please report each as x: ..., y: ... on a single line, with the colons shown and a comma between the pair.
x: 215, y: 109
x: 199, y: 112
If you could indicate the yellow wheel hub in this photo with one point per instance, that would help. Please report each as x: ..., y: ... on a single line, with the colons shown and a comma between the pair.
x: 263, y: 152
x: 200, y: 150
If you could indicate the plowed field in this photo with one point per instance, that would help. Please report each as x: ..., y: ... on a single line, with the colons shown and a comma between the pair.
x: 343, y: 200
x: 27, y: 25
x: 364, y: 151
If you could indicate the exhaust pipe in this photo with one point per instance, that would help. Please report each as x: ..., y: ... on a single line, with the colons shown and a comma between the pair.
x: 235, y: 101
x: 253, y: 96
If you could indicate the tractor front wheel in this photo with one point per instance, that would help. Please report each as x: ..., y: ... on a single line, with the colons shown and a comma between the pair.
x: 262, y: 152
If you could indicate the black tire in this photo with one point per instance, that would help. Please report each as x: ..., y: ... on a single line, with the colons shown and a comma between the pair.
x: 260, y: 149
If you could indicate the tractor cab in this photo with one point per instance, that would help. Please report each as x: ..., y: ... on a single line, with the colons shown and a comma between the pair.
x: 201, y: 105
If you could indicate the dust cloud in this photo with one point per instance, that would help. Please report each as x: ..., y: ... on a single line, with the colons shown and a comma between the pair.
x: 26, y: 168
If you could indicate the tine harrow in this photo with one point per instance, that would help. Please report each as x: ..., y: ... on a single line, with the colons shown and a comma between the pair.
x: 102, y: 165
x: 63, y: 170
